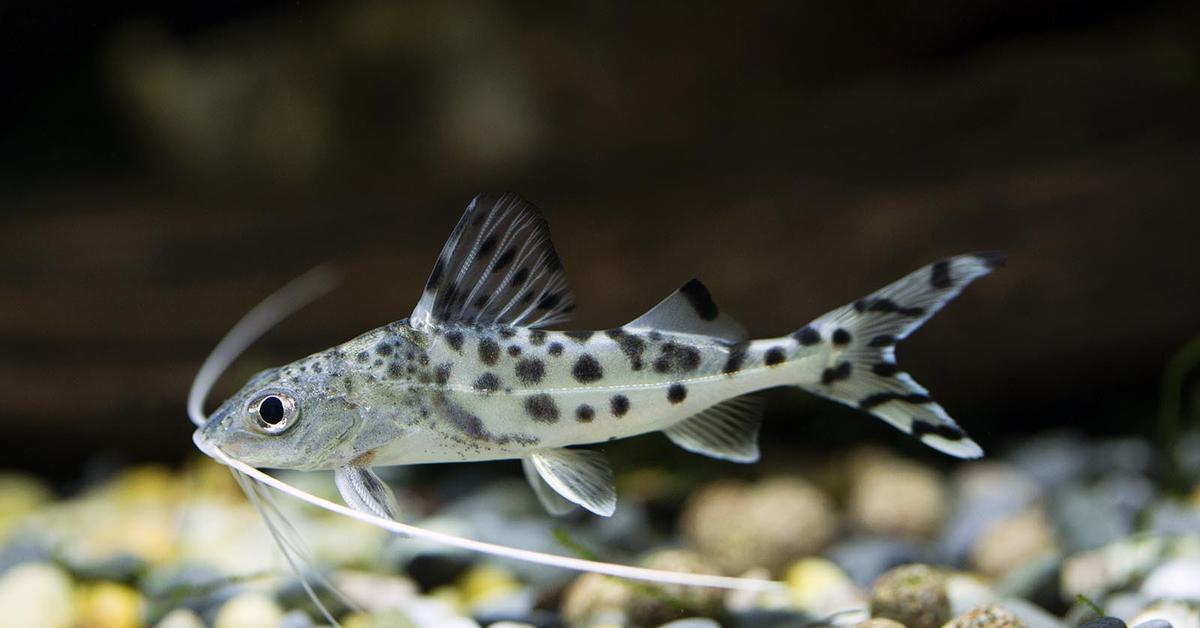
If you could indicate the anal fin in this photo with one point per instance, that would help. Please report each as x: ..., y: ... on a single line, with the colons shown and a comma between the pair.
x: 364, y: 491
x: 581, y: 476
x: 728, y: 430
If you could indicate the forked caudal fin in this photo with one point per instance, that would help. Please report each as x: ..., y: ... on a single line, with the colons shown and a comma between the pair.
x: 863, y: 372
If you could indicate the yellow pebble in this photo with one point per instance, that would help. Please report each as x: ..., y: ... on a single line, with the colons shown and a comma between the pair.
x: 109, y: 605
x: 486, y: 582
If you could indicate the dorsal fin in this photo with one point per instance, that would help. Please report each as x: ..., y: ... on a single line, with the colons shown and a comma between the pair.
x: 499, y: 267
x: 690, y: 310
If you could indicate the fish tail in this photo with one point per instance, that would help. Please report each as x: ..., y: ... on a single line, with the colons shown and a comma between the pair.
x: 862, y: 336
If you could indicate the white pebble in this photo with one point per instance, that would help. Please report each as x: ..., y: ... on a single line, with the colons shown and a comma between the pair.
x: 1178, y: 579
x: 36, y: 595
x: 249, y: 610
x: 180, y: 618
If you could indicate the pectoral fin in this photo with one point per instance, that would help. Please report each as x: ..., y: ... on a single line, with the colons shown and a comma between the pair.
x: 554, y: 503
x: 579, y: 475
x: 364, y: 491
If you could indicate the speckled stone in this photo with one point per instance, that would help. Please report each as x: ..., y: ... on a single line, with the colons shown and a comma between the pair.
x: 989, y: 616
x: 914, y: 595
x: 779, y: 520
x: 248, y: 609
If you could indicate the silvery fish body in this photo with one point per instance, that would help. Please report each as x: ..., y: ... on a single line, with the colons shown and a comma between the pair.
x: 475, y: 374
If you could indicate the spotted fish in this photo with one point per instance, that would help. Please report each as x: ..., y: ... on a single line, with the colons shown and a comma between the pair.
x: 476, y: 373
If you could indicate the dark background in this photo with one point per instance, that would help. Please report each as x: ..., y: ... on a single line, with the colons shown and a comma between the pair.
x: 165, y: 165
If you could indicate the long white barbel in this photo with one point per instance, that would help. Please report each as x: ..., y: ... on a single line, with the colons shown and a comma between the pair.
x: 300, y: 292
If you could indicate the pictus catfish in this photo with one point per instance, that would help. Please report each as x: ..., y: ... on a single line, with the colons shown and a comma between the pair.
x: 476, y: 373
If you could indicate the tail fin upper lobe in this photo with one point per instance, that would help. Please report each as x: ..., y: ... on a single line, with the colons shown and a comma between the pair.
x: 863, y: 372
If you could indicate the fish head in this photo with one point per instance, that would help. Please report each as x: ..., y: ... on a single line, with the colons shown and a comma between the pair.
x: 276, y: 424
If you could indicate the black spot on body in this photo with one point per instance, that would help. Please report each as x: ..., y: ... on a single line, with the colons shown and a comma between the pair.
x: 837, y: 373
x: 455, y: 340
x: 549, y: 302
x: 489, y: 351
x: 584, y: 413
x: 395, y: 371
x: 774, y: 356
x: 579, y: 336
x: 619, y: 405
x: 520, y: 276
x: 587, y: 369
x: 514, y: 350
x: 676, y: 358
x: 939, y: 275
x: 676, y: 393
x: 507, y: 332
x: 700, y: 299
x: 537, y: 337
x: 840, y: 337
x: 948, y: 432
x: 807, y: 336
x: 530, y: 370
x: 737, y: 357
x: 441, y: 374
x: 383, y: 349
x: 542, y: 408
x: 488, y: 382
x: 555, y: 349
x: 362, y: 357
x: 882, y: 340
x: 631, y: 345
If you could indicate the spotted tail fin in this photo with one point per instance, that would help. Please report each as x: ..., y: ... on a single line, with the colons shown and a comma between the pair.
x: 863, y: 372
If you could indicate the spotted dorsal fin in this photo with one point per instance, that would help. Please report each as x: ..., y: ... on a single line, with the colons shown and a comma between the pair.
x: 499, y: 267
x: 690, y: 310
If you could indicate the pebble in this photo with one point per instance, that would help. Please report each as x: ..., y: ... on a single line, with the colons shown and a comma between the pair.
x: 594, y: 599
x: 248, y: 609
x: 1013, y: 542
x: 966, y: 592
x: 984, y: 493
x: 988, y: 616
x: 1178, y: 614
x: 660, y: 603
x: 19, y: 495
x: 864, y: 558
x: 690, y: 622
x: 879, y: 622
x: 894, y: 497
x: 180, y: 618
x: 109, y: 605
x: 1175, y: 579
x: 1033, y: 615
x: 914, y: 595
x: 780, y: 519
x: 1053, y: 460
x: 819, y: 587
x: 1154, y: 623
x: 1103, y: 622
x: 37, y: 595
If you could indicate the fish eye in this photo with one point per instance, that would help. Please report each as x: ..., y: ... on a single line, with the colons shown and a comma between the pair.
x: 273, y: 412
